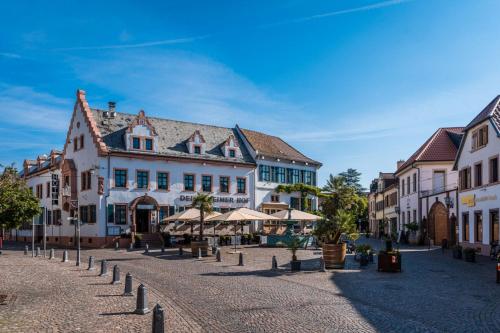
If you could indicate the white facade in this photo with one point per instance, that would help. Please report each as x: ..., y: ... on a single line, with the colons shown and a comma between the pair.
x: 126, y: 184
x: 479, y: 203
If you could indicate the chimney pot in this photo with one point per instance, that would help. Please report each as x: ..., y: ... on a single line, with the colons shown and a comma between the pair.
x: 111, y: 108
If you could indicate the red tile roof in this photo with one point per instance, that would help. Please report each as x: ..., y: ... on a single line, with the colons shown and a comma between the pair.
x: 273, y: 146
x: 441, y: 146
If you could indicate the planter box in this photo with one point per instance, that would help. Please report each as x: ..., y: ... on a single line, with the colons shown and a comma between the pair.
x: 389, y: 262
x: 295, y: 265
x: 334, y: 255
x: 203, y: 245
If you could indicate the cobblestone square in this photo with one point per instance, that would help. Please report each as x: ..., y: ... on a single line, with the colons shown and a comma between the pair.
x: 434, y: 293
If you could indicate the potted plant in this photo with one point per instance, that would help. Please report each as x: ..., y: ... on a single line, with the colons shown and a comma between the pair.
x: 469, y: 254
x: 204, y: 203
x: 329, y: 231
x: 363, y: 251
x: 293, y: 245
x: 457, y: 252
x: 412, y: 229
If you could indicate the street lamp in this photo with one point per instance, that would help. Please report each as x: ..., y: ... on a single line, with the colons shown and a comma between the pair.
x: 74, y: 205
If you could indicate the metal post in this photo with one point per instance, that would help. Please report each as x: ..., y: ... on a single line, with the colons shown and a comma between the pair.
x: 147, y: 248
x: 240, y: 259
x: 142, y: 301
x: 163, y: 249
x: 91, y: 264
x: 274, y: 265
x: 33, y: 238
x: 77, y: 221
x: 322, y: 267
x: 65, y: 256
x: 217, y: 255
x: 26, y: 248
x: 117, y: 246
x: 131, y: 246
x: 181, y: 251
x: 45, y: 233
x: 158, y: 319
x: 38, y: 251
x: 128, y: 285
x: 199, y: 254
x: 51, y: 255
x: 104, y: 268
x: 116, y: 275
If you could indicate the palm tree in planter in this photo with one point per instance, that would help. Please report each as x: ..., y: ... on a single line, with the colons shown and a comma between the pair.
x: 329, y: 231
x: 204, y: 203
x: 293, y: 244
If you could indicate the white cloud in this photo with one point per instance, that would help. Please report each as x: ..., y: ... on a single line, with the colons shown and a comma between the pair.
x: 179, y: 85
x: 10, y: 55
x: 23, y: 106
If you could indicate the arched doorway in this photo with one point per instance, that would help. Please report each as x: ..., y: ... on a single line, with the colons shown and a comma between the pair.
x: 439, y: 228
x: 144, y: 212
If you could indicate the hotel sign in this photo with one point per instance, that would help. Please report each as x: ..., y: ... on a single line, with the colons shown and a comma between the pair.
x: 238, y: 200
x: 471, y: 200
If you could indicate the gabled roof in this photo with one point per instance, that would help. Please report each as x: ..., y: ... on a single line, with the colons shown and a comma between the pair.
x: 441, y: 146
x: 273, y: 146
x: 172, y: 137
x: 492, y: 110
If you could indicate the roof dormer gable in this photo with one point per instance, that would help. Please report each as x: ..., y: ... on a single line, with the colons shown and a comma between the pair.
x: 141, y: 125
x: 196, y: 143
x: 141, y: 135
x: 231, y: 147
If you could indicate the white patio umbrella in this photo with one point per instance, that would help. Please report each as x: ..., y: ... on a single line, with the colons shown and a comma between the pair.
x: 240, y: 215
x: 189, y: 215
x: 296, y: 215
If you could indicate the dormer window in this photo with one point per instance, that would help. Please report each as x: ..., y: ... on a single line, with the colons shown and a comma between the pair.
x: 231, y: 148
x: 232, y: 153
x: 149, y: 144
x: 136, y: 143
x: 196, y: 143
x: 197, y: 150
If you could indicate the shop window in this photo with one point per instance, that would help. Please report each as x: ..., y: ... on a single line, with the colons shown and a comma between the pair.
x: 478, y: 227
x: 120, y: 214
x: 465, y: 227
x: 494, y: 226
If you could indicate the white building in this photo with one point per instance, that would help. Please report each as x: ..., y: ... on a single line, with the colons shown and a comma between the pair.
x: 428, y: 187
x: 479, y: 188
x: 123, y: 173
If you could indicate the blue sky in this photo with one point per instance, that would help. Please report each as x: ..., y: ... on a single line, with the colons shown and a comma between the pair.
x: 350, y: 83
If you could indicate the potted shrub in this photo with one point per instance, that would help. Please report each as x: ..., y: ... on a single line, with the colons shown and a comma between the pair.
x: 329, y: 231
x: 457, y: 252
x: 412, y: 229
x: 363, y: 251
x: 469, y: 254
x: 293, y: 245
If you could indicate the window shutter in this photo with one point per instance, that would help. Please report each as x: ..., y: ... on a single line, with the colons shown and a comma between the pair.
x: 111, y: 214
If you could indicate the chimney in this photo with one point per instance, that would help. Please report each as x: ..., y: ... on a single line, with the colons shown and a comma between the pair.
x: 111, y: 108
x: 399, y: 164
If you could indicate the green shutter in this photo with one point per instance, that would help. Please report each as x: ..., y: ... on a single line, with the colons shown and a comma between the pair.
x: 111, y: 214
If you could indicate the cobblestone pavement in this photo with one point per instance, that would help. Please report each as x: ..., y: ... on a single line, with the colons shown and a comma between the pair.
x: 434, y: 293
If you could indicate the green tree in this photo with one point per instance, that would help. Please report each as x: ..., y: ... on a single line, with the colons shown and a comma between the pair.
x: 330, y: 229
x: 17, y: 202
x: 304, y: 190
x: 352, y: 178
x: 204, y: 203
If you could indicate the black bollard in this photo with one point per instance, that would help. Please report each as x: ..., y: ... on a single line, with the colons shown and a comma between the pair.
x: 214, y: 250
x: 217, y: 255
x: 128, y: 285
x: 117, y: 246
x: 240, y: 261
x: 91, y: 264
x: 26, y: 249
x: 65, y: 256
x: 116, y: 275
x: 158, y: 319
x: 163, y: 249
x: 274, y: 264
x: 37, y: 251
x: 104, y: 268
x: 78, y: 257
x: 181, y: 251
x: 51, y: 254
x: 142, y: 300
